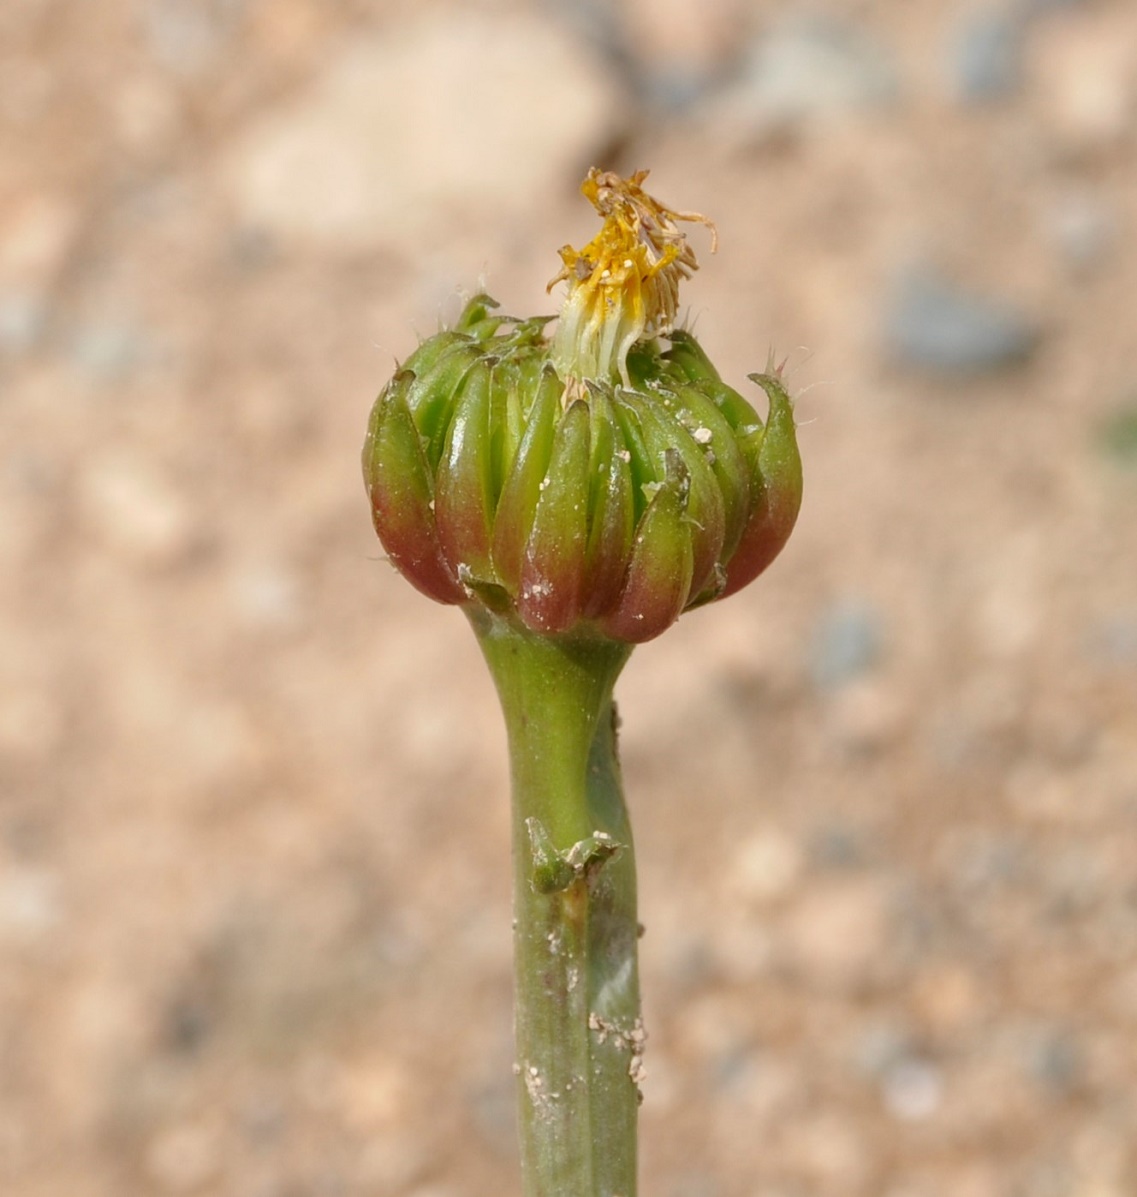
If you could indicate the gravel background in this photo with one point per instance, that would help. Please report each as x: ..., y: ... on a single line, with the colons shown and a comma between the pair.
x: 254, y: 910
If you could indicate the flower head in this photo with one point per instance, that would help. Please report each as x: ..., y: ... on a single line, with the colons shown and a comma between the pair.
x: 596, y: 483
x: 623, y: 287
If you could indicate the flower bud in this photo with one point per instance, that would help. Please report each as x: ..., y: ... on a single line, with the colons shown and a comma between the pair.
x: 595, y: 481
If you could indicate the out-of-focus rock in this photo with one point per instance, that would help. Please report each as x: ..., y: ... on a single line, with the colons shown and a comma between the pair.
x: 935, y: 325
x: 36, y: 236
x: 186, y: 36
x: 1112, y: 641
x: 949, y: 998
x: 827, y: 1151
x: 30, y: 904
x: 1053, y: 1059
x: 846, y: 644
x: 1088, y: 77
x: 22, y: 323
x: 134, y: 512
x: 146, y: 113
x: 454, y: 120
x: 878, y: 1047
x: 371, y: 1091
x: 694, y: 1183
x: 912, y: 1089
x: 108, y: 350
x: 863, y: 716
x: 765, y: 866
x: 681, y: 49
x: 987, y: 55
x: 835, y: 846
x: 267, y: 597
x: 31, y: 724
x: 807, y: 71
x: 1083, y: 228
x: 184, y: 1157
x: 837, y: 931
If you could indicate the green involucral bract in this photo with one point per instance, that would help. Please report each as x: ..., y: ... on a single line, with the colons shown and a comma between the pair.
x: 606, y: 506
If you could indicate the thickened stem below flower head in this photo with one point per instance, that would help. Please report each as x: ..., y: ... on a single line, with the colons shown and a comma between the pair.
x: 598, y: 482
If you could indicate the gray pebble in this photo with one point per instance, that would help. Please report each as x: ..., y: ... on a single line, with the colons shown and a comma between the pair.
x: 691, y: 1183
x: 106, y: 352
x: 492, y: 1112
x: 987, y: 860
x: 1083, y: 229
x: 22, y: 323
x: 835, y: 847
x: 879, y: 1048
x: 1113, y: 641
x: 912, y: 1089
x: 1032, y: 8
x: 987, y: 56
x: 815, y: 68
x: 846, y: 644
x: 187, y: 37
x: 1052, y: 1058
x: 934, y: 325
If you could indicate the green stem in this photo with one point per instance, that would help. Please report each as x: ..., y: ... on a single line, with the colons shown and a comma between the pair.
x: 577, y: 1007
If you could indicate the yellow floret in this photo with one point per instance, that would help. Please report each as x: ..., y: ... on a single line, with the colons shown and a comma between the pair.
x: 623, y: 286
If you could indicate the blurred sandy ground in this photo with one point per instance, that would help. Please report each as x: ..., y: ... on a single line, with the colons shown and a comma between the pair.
x: 253, y: 838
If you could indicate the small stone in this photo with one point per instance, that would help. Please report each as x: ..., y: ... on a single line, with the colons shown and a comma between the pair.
x: 30, y: 904
x: 863, y: 716
x: 879, y: 1048
x: 980, y: 861
x: 183, y: 1158
x: 987, y: 56
x: 36, y: 238
x: 807, y: 71
x: 828, y: 1150
x: 1091, y: 74
x: 268, y: 598
x: 493, y: 1114
x: 22, y: 323
x: 107, y: 351
x: 421, y: 133
x: 836, y: 932
x: 912, y: 1089
x: 948, y: 999
x: 765, y: 866
x: 390, y: 1162
x: 188, y: 1023
x: 187, y: 36
x: 1123, y: 995
x: 147, y: 113
x: 1053, y: 1060
x: 1083, y: 229
x: 846, y: 644
x: 372, y: 1091
x: 689, y: 1183
x: 934, y: 325
x: 836, y: 847
x: 135, y: 512
x: 32, y: 724
x: 1113, y: 640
